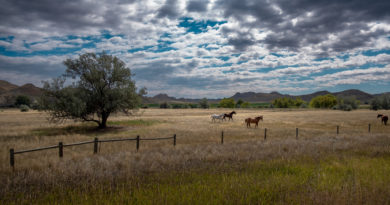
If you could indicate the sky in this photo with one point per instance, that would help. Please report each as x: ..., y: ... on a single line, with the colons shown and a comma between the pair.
x: 205, y: 48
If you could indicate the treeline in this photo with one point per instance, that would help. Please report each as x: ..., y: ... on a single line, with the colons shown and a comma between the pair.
x: 381, y: 102
x: 323, y: 101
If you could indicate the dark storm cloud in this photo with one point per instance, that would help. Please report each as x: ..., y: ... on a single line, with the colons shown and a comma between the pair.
x: 197, y: 5
x: 58, y: 15
x: 169, y: 9
x: 315, y: 22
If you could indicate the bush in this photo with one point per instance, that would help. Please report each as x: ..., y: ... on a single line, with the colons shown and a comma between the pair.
x: 227, y: 103
x: 204, y: 103
x: 323, y: 101
x: 287, y: 102
x: 381, y: 102
x: 22, y: 100
x: 245, y: 105
x: 24, y: 108
x: 164, y: 105
x: 193, y: 105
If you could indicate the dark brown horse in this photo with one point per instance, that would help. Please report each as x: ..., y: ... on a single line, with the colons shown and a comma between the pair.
x: 230, y: 115
x: 384, y: 118
x: 248, y: 121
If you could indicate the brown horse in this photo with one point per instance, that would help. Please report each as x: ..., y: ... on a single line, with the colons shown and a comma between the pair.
x: 230, y: 115
x: 248, y: 121
x: 383, y: 117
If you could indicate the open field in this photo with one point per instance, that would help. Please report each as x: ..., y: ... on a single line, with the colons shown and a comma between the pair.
x: 320, y: 167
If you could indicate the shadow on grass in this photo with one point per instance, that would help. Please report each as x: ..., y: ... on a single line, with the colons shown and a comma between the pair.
x: 113, y: 127
x: 75, y: 129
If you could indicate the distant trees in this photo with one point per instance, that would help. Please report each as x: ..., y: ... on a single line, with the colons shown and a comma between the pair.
x: 323, y: 101
x: 227, y: 103
x: 286, y: 102
x: 203, y: 103
x: 102, y: 85
x: 22, y: 100
x: 347, y: 104
x: 381, y: 102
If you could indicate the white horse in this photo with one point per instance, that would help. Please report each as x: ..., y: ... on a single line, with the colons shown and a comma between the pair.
x: 215, y: 117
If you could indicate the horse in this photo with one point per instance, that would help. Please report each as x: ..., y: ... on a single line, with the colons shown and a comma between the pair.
x: 217, y: 117
x: 248, y: 121
x: 230, y: 115
x: 383, y: 117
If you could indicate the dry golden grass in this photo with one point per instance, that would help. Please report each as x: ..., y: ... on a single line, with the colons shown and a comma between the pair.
x: 198, y: 143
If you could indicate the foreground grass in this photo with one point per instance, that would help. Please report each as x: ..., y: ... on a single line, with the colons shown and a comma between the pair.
x: 341, y: 179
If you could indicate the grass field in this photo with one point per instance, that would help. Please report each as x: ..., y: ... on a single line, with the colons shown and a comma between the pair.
x: 320, y: 167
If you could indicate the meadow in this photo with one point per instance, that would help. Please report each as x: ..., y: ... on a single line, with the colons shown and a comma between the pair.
x: 320, y: 167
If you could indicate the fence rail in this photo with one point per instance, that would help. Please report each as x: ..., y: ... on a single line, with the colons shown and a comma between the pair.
x: 96, y: 142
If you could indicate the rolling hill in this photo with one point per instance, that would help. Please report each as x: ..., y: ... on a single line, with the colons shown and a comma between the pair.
x: 9, y: 92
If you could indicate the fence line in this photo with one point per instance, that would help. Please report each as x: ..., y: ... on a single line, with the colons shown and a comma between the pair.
x: 96, y: 142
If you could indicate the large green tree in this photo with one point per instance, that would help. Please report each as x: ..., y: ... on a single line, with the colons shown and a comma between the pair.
x: 100, y: 84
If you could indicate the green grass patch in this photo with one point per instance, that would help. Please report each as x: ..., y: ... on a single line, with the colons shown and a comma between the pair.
x: 333, y: 180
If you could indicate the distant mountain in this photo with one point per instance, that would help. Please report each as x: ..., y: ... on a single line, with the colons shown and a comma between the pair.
x: 9, y: 92
x: 6, y: 86
x: 268, y: 97
x: 363, y: 97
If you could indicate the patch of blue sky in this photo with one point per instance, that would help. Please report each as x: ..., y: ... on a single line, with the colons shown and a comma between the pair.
x: 262, y: 70
x: 8, y: 39
x: 207, y: 57
x: 228, y: 71
x: 224, y: 58
x: 236, y: 54
x: 91, y: 43
x: 197, y: 26
x: 375, y: 52
x: 343, y: 57
x: 188, y: 57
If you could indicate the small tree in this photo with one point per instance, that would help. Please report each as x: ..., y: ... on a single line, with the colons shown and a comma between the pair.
x: 245, y: 105
x: 203, y: 103
x: 102, y: 85
x: 227, y: 103
x: 22, y: 100
x: 323, y: 101
x: 239, y: 103
x: 164, y: 105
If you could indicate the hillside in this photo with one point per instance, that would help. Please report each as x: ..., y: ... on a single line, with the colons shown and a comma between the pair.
x: 9, y: 92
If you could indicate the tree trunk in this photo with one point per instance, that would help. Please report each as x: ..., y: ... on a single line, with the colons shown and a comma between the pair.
x: 103, y: 123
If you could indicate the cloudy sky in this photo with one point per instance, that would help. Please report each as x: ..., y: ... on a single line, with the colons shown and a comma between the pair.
x: 205, y: 48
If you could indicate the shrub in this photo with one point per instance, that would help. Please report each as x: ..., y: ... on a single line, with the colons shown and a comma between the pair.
x: 381, y: 102
x: 164, y: 105
x: 204, y: 103
x: 245, y: 105
x: 22, y: 100
x: 193, y: 105
x: 286, y: 102
x: 323, y: 101
x: 24, y: 108
x: 227, y: 103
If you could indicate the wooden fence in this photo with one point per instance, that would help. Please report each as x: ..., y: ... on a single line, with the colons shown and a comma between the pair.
x: 96, y: 142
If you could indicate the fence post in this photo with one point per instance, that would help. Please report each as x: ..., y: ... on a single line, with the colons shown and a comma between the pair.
x: 296, y: 133
x: 265, y: 133
x: 337, y: 129
x: 222, y: 137
x: 60, y: 149
x: 137, y: 143
x: 174, y: 140
x: 95, y: 145
x: 369, y: 127
x: 12, y: 158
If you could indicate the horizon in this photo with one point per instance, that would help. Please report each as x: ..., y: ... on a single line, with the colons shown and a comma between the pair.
x: 205, y: 48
